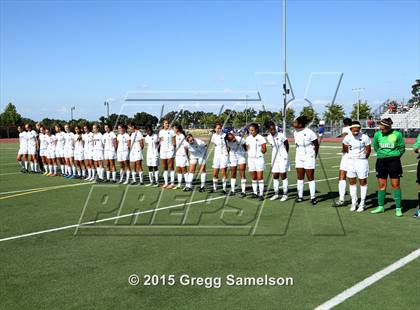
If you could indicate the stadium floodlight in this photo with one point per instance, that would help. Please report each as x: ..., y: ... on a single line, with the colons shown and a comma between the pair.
x: 71, y: 112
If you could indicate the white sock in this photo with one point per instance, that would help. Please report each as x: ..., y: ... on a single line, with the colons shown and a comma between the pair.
x: 22, y: 164
x: 187, y: 178
x: 165, y: 176
x: 342, y: 189
x: 203, y: 179
x: 55, y: 168
x: 141, y: 176
x: 232, y: 184
x: 35, y: 166
x: 179, y: 179
x: 114, y: 175
x: 215, y: 184
x: 255, y: 187
x: 243, y: 185
x: 108, y: 174
x: 93, y: 173
x: 224, y: 183
x: 121, y: 175
x: 73, y: 168
x: 156, y: 176
x: 101, y: 173
x: 62, y: 169
x: 50, y: 167
x: 26, y: 164
x: 133, y: 175
x: 32, y: 166
x: 363, y: 193
x: 83, y: 172
x: 151, y: 177
x: 261, y: 187
x: 353, y: 193
x: 300, y: 184
x: 276, y: 185
x: 312, y: 189
x: 172, y: 177
x: 127, y: 177
x: 285, y: 186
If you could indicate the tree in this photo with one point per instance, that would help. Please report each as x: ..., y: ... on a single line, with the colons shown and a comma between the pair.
x: 415, y: 90
x: 311, y: 114
x: 144, y: 119
x: 364, y: 111
x: 334, y: 113
x: 290, y: 116
x: 10, y: 116
x: 263, y: 117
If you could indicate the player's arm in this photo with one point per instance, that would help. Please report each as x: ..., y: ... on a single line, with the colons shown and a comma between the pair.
x: 368, y: 150
x: 376, y: 142
x: 316, y: 146
x: 141, y: 143
x: 345, y: 148
x: 401, y: 144
x: 264, y: 148
x: 174, y: 142
x: 286, y: 145
x: 416, y: 146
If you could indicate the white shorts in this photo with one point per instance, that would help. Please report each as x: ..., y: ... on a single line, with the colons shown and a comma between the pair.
x: 31, y: 150
x: 236, y: 159
x: 109, y: 155
x: 181, y: 161
x: 78, y: 155
x: 197, y: 160
x: 256, y: 164
x: 280, y: 165
x: 136, y: 155
x: 98, y: 155
x: 51, y: 154
x: 220, y: 162
x: 122, y: 156
x: 23, y: 151
x: 358, y: 168
x: 153, y: 161
x: 88, y: 155
x: 68, y: 153
x: 305, y: 161
x: 43, y: 152
x: 345, y: 163
x: 166, y: 154
x: 59, y: 153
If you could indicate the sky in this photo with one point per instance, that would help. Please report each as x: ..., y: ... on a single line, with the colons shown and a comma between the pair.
x: 59, y: 54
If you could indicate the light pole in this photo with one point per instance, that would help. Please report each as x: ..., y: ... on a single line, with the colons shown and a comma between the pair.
x: 71, y: 112
x: 285, y: 90
x: 358, y: 91
x: 106, y: 103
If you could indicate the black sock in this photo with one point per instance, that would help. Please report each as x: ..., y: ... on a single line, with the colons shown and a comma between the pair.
x: 418, y: 196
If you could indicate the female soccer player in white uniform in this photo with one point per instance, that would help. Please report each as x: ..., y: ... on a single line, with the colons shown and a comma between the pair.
x: 256, y: 146
x: 307, y: 147
x: 110, y: 145
x: 197, y: 157
x: 70, y: 168
x: 88, y: 152
x: 181, y: 159
x: 59, y: 148
x: 237, y: 160
x: 32, y: 137
x: 79, y: 153
x: 344, y: 165
x: 43, y: 148
x: 51, y: 141
x: 123, y: 147
x: 136, y: 153
x: 279, y: 160
x: 22, y: 156
x: 358, y: 147
x: 167, y: 148
x: 152, y: 156
x: 220, y: 157
x: 98, y: 152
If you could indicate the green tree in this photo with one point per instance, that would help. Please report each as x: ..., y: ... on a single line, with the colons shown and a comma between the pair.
x: 143, y: 119
x: 10, y: 116
x: 311, y: 114
x: 364, y: 111
x: 263, y: 117
x: 334, y: 113
x: 290, y: 116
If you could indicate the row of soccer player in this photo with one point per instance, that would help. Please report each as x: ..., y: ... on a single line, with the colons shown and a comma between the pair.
x: 82, y: 155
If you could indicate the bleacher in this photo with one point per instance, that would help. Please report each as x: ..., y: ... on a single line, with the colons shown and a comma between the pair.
x: 404, y: 120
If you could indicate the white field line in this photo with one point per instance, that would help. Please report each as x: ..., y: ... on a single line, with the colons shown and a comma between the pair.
x: 47, y: 187
x: 8, y: 173
x: 368, y: 281
x: 414, y: 170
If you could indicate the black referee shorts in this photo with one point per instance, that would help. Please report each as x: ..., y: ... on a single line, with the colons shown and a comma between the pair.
x: 388, y: 167
x: 418, y: 172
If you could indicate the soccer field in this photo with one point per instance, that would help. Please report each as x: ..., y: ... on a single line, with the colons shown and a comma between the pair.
x: 49, y: 261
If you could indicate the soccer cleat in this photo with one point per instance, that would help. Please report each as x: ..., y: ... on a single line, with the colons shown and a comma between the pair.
x: 202, y: 190
x: 260, y: 197
x: 242, y: 195
x: 417, y: 214
x: 126, y: 182
x: 314, y: 202
x: 283, y: 198
x: 120, y: 181
x: 188, y: 189
x: 156, y: 184
x: 361, y: 208
x: 274, y: 197
x: 133, y: 183
x: 398, y: 212
x: 379, y: 209
x: 211, y: 190
x: 164, y: 185
x: 231, y: 193
x: 171, y: 186
x: 339, y: 203
x: 149, y: 184
x: 299, y: 199
x: 224, y: 192
x: 177, y: 187
x: 254, y: 195
x: 45, y: 173
x: 353, y: 207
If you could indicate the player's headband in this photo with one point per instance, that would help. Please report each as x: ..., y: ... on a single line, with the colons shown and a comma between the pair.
x: 355, y: 126
x: 385, y: 124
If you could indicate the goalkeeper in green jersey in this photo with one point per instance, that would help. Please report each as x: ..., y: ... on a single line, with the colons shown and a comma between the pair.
x: 416, y: 148
x: 389, y: 147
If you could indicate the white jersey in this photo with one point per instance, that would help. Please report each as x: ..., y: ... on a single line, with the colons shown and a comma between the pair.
x: 237, y: 146
x: 152, y: 143
x: 31, y: 138
x: 346, y: 131
x: 98, y: 143
x: 42, y: 141
x: 197, y: 149
x: 166, y: 137
x: 88, y: 140
x: 220, y: 147
x: 303, y: 141
x: 69, y: 140
x: 356, y: 145
x: 135, y: 139
x: 60, y: 140
x: 180, y: 146
x: 51, y: 140
x: 78, y: 143
x: 254, y: 145
x: 108, y: 140
x: 278, y: 150
x: 23, y: 140
x: 122, y: 142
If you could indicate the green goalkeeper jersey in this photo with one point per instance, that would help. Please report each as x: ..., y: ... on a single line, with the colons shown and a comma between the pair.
x: 389, y: 145
x: 417, y: 144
